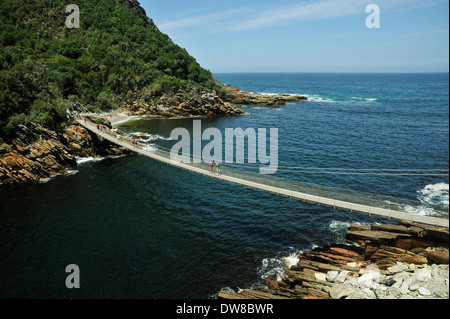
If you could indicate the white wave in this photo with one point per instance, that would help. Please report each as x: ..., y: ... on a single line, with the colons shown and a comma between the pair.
x: 317, y: 98
x: 225, y: 289
x: 291, y: 260
x: 261, y: 107
x: 83, y: 160
x: 272, y: 268
x: 277, y: 268
x: 338, y: 228
x: 431, y: 196
x: 145, y: 137
x: 337, y: 225
x: 321, y: 99
x: 273, y: 94
x: 150, y: 148
x: 44, y: 180
x: 366, y: 99
x: 434, y: 194
x: 71, y: 172
x: 420, y: 210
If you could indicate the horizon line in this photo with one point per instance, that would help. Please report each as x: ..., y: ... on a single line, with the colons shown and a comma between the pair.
x: 323, y: 72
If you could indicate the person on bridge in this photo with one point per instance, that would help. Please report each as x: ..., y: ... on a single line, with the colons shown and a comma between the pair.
x: 218, y: 168
x: 211, y: 167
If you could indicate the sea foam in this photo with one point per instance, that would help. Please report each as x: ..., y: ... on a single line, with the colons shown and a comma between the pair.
x: 432, y: 196
x: 277, y: 268
x: 83, y: 160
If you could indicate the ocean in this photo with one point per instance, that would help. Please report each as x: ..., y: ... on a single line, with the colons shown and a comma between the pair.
x: 138, y: 228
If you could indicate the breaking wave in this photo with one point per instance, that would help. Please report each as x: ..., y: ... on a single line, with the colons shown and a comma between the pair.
x: 277, y: 268
x: 83, y: 160
x: 434, y: 199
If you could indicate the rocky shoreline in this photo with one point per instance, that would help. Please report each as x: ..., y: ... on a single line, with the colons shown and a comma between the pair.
x: 404, y: 261
x: 240, y: 97
x: 36, y: 153
x: 183, y: 102
x: 191, y: 101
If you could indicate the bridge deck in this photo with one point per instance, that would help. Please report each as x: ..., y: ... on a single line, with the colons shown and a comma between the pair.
x: 346, y: 205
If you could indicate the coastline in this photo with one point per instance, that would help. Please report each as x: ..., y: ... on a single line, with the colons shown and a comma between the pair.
x: 37, y: 153
x: 305, y: 280
x: 393, y: 261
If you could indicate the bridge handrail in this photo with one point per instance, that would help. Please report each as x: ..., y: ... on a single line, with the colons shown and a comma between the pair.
x: 353, y: 207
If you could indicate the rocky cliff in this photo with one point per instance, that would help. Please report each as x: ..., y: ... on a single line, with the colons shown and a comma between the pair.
x: 37, y: 153
x: 237, y: 96
x: 183, y: 102
x: 405, y: 261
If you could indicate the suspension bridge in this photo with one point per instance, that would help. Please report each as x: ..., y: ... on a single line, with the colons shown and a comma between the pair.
x: 371, y: 204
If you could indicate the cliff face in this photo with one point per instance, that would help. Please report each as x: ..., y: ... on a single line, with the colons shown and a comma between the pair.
x: 405, y: 261
x: 237, y: 96
x: 116, y: 59
x: 183, y: 102
x: 37, y: 153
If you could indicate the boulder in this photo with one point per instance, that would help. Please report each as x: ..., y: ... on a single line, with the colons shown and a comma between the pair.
x: 424, y: 291
x: 423, y: 274
x: 320, y: 276
x: 332, y: 275
x: 343, y: 276
x: 396, y: 269
x: 341, y: 290
x: 413, y: 259
x: 411, y: 243
x: 369, y: 278
x: 438, y: 256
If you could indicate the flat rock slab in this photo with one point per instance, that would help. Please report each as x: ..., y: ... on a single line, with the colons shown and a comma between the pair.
x: 391, y: 228
x: 374, y: 235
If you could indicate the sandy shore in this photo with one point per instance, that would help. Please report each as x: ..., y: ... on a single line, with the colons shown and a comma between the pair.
x: 116, y: 116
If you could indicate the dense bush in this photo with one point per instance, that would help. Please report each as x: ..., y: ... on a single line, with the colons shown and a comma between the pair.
x: 44, y: 65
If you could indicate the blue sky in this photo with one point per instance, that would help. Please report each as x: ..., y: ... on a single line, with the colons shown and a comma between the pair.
x: 306, y: 35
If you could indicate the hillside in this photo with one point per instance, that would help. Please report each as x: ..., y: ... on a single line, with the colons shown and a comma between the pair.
x: 117, y: 55
x: 116, y: 59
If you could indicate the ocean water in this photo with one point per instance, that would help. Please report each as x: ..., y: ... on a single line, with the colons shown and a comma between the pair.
x: 141, y: 229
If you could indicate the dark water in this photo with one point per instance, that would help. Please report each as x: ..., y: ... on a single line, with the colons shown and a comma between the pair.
x: 141, y: 229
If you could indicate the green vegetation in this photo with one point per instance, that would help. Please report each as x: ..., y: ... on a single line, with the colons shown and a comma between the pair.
x: 44, y: 65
